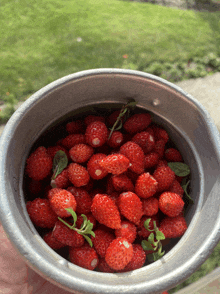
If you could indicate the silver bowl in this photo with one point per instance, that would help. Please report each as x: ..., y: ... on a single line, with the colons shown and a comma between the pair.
x: 189, y: 126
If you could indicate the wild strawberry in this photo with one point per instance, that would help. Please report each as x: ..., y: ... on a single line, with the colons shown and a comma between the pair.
x: 84, y: 256
x: 150, y: 206
x: 130, y: 206
x: 137, y: 123
x: 67, y: 236
x: 176, y: 188
x: 94, y: 168
x: 41, y: 213
x: 75, y: 127
x: 115, y: 163
x: 105, y: 211
x: 73, y: 139
x: 151, y: 160
x: 52, y: 150
x: 145, y: 140
x: 101, y: 241
x: 116, y: 139
x: 171, y: 204
x: 119, y: 253
x: 103, y: 266
x: 51, y: 192
x: 162, y: 162
x: 96, y: 134
x: 160, y: 133
x: 62, y: 180
x: 52, y: 242
x: 122, y: 183
x: 80, y: 220
x: 128, y: 231
x: 159, y: 148
x: 60, y: 201
x: 78, y: 175
x: 173, y: 227
x: 164, y: 176
x: 138, y: 259
x: 91, y: 118
x: 81, y: 153
x: 142, y: 231
x: 135, y: 154
x: 173, y: 155
x: 114, y: 197
x: 39, y: 164
x: 146, y: 185
x: 83, y: 199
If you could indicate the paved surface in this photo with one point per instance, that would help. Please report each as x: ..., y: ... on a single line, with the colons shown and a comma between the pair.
x: 207, y: 92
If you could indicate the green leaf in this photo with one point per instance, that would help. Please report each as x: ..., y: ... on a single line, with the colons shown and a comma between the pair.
x: 157, y: 256
x: 151, y: 238
x: 180, y: 169
x: 74, y: 215
x: 185, y: 188
x: 60, y: 162
x: 159, y: 235
x: 146, y: 245
x: 146, y: 223
x: 88, y: 239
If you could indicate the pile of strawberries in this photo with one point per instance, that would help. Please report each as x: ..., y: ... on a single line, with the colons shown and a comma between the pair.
x: 115, y: 182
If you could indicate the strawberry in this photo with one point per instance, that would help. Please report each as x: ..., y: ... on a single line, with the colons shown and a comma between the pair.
x: 41, y: 213
x: 122, y: 183
x: 137, y: 123
x: 160, y: 133
x: 52, y: 150
x: 159, y: 148
x: 128, y: 231
x: 138, y: 259
x: 115, y: 163
x: 171, y: 203
x: 67, y: 236
x: 78, y: 174
x: 142, y: 231
x: 51, y: 192
x: 113, y: 117
x: 103, y: 266
x: 60, y: 201
x: 83, y: 199
x: 62, y: 180
x: 150, y: 206
x: 75, y: 127
x: 151, y: 160
x: 119, y: 253
x: 91, y: 118
x: 84, y: 256
x: 135, y: 154
x: 130, y: 206
x: 96, y: 134
x: 173, y: 227
x: 145, y: 140
x: 39, y: 164
x: 73, y: 139
x: 164, y: 176
x: 173, y: 155
x: 101, y: 241
x: 94, y: 168
x: 81, y: 153
x: 116, y: 139
x: 52, y: 242
x: 146, y: 186
x: 176, y: 188
x: 105, y: 211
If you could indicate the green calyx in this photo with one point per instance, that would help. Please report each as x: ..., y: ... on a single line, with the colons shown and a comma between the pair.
x: 60, y: 162
x: 86, y: 227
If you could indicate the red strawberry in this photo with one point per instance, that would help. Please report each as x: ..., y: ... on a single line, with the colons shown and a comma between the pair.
x: 159, y: 148
x: 91, y: 118
x: 171, y: 204
x: 105, y: 211
x: 94, y: 168
x: 122, y: 183
x: 39, y: 164
x: 62, y: 180
x: 130, y: 206
x: 113, y: 117
x: 96, y: 134
x: 75, y: 127
x: 173, y: 155
x: 128, y: 231
x: 164, y: 176
x: 78, y: 175
x: 103, y: 266
x: 116, y: 139
x: 84, y: 256
x: 73, y: 139
x: 115, y: 163
x: 62, y: 200
x: 119, y: 253
x: 135, y: 154
x: 101, y: 241
x: 160, y: 133
x: 138, y: 259
x: 67, y: 236
x: 173, y: 227
x: 141, y: 230
x: 162, y: 162
x: 52, y: 192
x: 145, y: 140
x: 151, y: 160
x: 81, y: 153
x: 150, y: 206
x: 176, y: 188
x: 52, y: 150
x: 83, y: 199
x: 137, y: 123
x: 41, y: 213
x: 146, y: 185
x: 52, y: 242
